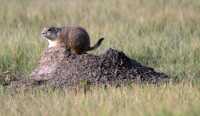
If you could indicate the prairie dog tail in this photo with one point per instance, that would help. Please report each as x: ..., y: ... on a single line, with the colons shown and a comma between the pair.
x: 96, y: 45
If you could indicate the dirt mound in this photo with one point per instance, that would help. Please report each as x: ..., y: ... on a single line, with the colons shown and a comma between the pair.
x: 59, y: 68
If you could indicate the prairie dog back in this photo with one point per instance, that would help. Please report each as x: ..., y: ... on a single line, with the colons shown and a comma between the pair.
x: 74, y: 38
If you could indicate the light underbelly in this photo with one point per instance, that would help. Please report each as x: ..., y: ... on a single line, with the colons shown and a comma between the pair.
x: 52, y: 43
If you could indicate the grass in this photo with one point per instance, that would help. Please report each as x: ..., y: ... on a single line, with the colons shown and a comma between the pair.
x: 164, y: 34
x: 171, y: 100
x: 161, y: 34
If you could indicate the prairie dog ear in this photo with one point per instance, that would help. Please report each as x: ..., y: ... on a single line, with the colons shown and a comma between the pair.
x: 58, y: 33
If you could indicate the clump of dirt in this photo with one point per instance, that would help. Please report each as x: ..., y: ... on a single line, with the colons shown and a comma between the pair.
x: 60, y: 68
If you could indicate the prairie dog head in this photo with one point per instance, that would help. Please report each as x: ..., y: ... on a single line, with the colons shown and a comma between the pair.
x: 51, y: 34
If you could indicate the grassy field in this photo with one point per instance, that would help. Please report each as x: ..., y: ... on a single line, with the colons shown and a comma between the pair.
x: 171, y: 100
x: 163, y: 34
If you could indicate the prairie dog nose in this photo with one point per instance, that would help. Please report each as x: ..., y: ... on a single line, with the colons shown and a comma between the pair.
x: 44, y: 30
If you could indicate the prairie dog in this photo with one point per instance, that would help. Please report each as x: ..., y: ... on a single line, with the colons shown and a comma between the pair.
x: 74, y: 38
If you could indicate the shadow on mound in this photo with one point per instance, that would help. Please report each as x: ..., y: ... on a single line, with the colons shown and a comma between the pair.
x: 59, y: 68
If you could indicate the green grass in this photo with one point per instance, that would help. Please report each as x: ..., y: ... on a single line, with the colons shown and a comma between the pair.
x: 177, y: 100
x: 163, y: 34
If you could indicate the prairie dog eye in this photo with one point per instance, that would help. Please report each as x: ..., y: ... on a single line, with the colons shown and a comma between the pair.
x: 52, y: 29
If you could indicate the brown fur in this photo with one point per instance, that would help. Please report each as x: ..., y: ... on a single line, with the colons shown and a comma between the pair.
x: 75, y: 39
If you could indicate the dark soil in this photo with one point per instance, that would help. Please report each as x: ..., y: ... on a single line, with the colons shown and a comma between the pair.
x: 60, y: 68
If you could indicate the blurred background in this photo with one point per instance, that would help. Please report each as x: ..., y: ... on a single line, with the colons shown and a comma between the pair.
x: 163, y: 34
